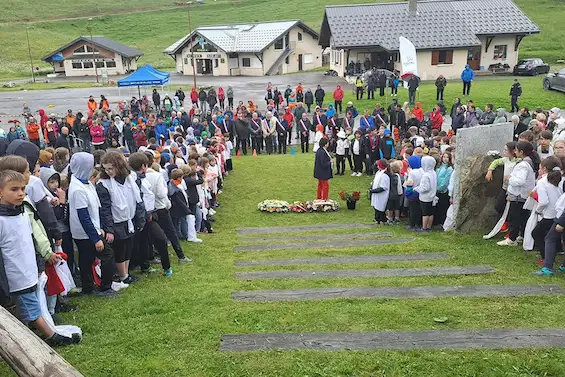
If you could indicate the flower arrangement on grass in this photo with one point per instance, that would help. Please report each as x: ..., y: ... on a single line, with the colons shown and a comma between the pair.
x: 273, y: 206
x: 298, y: 207
x: 322, y: 206
x: 350, y: 197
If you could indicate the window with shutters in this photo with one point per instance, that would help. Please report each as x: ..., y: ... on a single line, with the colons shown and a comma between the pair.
x: 442, y: 57
x: 246, y: 62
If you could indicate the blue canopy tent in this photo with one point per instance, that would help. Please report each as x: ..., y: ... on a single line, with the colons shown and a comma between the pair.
x: 145, y: 76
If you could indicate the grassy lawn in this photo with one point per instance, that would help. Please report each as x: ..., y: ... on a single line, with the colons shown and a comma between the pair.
x: 152, y: 32
x: 172, y: 327
x: 51, y: 85
x: 484, y: 90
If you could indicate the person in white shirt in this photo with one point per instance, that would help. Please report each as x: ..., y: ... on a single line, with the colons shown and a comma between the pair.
x: 544, y: 144
x: 522, y: 181
x: 427, y: 190
x: 548, y: 189
x: 341, y: 146
x: 358, y: 147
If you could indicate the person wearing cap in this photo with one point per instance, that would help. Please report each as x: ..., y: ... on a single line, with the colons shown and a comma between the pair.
x: 352, y: 109
x: 554, y: 114
x: 515, y: 93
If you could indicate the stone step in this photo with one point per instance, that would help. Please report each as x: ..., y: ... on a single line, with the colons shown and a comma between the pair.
x: 321, y: 244
x: 400, y: 292
x: 397, y: 340
x: 318, y: 237
x: 384, y: 272
x: 302, y: 228
x: 340, y: 260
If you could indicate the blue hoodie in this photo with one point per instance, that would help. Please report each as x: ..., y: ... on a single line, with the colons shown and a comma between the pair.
x: 467, y: 75
x: 330, y: 112
x: 443, y: 176
x: 414, y: 177
x: 161, y: 129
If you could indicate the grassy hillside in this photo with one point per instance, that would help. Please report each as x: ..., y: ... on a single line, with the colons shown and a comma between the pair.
x: 152, y: 25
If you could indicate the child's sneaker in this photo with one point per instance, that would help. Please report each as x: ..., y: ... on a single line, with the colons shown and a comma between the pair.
x: 540, y: 262
x: 544, y: 271
x: 184, y: 260
x: 507, y: 242
x: 149, y: 270
x: 389, y: 222
x: 519, y: 239
x: 197, y: 240
x: 561, y: 268
x: 396, y: 221
x: 168, y: 273
x: 353, y: 174
x: 130, y: 279
x: 60, y: 340
x: 504, y: 228
x: 118, y: 286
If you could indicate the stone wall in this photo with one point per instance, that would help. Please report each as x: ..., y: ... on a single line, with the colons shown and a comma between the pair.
x: 474, y: 197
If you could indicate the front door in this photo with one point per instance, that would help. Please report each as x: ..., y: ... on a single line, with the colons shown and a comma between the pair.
x: 204, y: 66
x: 300, y: 62
x: 474, y: 58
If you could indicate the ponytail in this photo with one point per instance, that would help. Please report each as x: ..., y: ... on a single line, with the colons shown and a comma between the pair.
x: 528, y: 150
x: 553, y: 166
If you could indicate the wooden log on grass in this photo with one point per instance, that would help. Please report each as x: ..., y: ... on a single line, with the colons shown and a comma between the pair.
x: 28, y: 355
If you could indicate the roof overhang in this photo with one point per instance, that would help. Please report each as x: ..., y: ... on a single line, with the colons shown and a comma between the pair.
x: 46, y: 58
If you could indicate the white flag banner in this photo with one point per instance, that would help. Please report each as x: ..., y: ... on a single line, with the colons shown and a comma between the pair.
x: 408, y: 57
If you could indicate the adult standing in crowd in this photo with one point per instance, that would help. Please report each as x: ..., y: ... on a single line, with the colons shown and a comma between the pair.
x: 413, y: 84
x: 156, y: 101
x: 338, y: 99
x: 441, y: 83
x: 515, y: 93
x: 323, y: 170
x: 467, y: 76
x: 319, y: 95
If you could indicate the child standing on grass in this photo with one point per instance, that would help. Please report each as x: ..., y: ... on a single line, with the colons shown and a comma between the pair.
x: 411, y: 194
x: 427, y: 191
x: 380, y: 191
x: 179, y: 202
x: 443, y: 172
x: 122, y: 212
x: 342, y: 145
x: 395, y: 195
x: 509, y: 161
x: 191, y: 181
x: 18, y: 256
x: 548, y: 193
x: 152, y: 233
x: 522, y: 181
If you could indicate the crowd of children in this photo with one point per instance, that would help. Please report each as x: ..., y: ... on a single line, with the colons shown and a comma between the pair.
x: 116, y: 211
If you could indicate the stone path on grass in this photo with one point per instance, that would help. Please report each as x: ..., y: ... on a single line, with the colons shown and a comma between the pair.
x: 318, y: 237
x: 399, y: 292
x: 339, y: 260
x: 397, y: 340
x: 304, y: 228
x: 391, y: 340
x: 384, y: 272
x: 321, y: 245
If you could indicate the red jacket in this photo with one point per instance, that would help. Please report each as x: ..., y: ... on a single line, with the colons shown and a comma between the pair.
x: 338, y: 93
x: 193, y: 95
x: 221, y: 94
x: 437, y: 119
x: 140, y: 138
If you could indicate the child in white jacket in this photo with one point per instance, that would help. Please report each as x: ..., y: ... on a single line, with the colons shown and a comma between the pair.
x: 521, y: 183
x: 380, y: 190
x: 427, y: 190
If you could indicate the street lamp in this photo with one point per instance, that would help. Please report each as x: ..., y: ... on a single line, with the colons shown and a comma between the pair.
x: 89, y: 29
x: 29, y: 50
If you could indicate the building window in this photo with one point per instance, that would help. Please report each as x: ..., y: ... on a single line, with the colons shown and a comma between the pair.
x: 61, y: 65
x: 442, y: 57
x: 99, y: 64
x: 279, y: 44
x: 77, y: 65
x: 500, y: 52
x: 86, y: 49
x: 286, y: 60
x: 111, y: 64
x: 308, y: 59
x: 246, y: 62
x: 215, y: 63
x: 299, y: 37
x: 87, y: 65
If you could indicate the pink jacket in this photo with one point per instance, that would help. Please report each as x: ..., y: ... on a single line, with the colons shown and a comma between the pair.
x: 97, y: 133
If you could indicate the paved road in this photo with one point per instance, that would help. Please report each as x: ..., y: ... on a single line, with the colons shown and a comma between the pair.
x: 245, y: 88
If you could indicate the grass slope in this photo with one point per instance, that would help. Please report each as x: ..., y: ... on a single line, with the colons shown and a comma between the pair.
x: 152, y: 32
x: 171, y: 327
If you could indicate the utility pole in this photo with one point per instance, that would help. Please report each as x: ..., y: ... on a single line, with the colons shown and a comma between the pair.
x: 191, y: 49
x: 89, y: 28
x: 30, y: 59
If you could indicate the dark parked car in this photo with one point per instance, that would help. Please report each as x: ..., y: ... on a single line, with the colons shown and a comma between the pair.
x: 555, y: 81
x: 530, y: 67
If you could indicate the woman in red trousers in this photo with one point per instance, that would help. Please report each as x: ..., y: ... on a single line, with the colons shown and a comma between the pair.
x: 323, y: 170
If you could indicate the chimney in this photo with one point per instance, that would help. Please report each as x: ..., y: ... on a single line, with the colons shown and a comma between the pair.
x: 413, y: 6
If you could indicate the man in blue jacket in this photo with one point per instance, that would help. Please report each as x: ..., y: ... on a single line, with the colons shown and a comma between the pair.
x: 161, y: 131
x: 467, y: 76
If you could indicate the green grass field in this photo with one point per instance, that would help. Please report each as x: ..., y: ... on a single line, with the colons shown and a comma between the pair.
x: 172, y: 327
x: 158, y: 25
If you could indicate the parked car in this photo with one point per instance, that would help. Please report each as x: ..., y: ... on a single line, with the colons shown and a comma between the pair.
x: 530, y: 67
x: 555, y: 81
